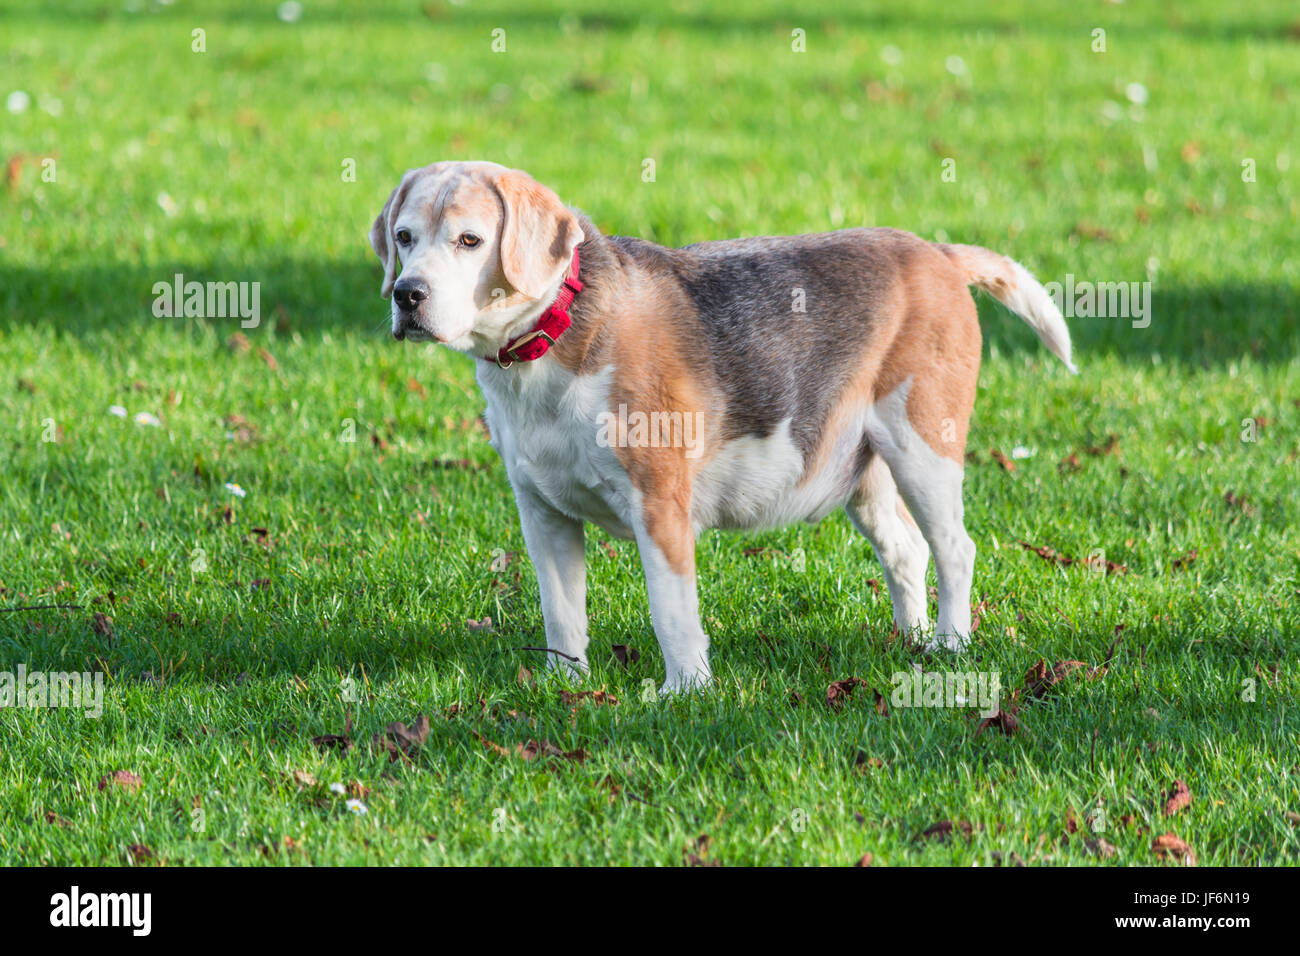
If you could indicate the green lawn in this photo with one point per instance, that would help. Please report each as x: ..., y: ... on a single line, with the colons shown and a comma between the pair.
x: 230, y: 648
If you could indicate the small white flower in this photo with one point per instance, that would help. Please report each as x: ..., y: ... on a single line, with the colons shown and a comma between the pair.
x: 1020, y: 451
x: 955, y: 65
x: 891, y: 54
x: 357, y: 807
x: 338, y: 788
x: 146, y: 418
x: 167, y: 204
x: 17, y: 102
x: 289, y: 12
x: 117, y: 410
x: 235, y: 490
x: 1136, y: 93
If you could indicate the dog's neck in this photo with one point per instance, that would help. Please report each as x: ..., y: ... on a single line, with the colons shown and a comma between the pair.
x: 599, y: 266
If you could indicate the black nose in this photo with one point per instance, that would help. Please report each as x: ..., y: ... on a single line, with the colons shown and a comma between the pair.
x: 409, y: 293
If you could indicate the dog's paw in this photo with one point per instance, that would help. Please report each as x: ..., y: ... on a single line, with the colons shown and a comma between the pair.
x: 954, y: 643
x: 568, y: 665
x: 685, y: 681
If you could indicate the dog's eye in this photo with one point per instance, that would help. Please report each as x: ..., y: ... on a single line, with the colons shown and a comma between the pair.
x: 469, y: 240
x: 404, y: 236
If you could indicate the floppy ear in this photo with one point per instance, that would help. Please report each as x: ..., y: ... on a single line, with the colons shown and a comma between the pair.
x: 381, y: 233
x: 538, y: 236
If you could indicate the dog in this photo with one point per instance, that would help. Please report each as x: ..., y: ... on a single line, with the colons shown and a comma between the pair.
x: 745, y: 383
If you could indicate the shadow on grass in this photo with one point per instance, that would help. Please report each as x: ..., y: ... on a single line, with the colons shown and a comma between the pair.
x: 1200, y: 326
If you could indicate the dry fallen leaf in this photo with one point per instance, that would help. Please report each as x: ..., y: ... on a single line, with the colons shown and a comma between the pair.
x: 944, y: 829
x: 1179, y: 798
x: 398, y: 740
x: 626, y: 654
x: 122, y: 780
x: 693, y: 854
x: 841, y: 690
x: 1168, y: 845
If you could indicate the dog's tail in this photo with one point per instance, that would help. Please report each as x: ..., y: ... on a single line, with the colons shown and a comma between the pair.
x: 1011, y: 284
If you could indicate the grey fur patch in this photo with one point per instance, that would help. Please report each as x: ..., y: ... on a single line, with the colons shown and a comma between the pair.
x: 774, y: 362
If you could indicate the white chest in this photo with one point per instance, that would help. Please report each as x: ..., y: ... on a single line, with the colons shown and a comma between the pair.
x: 546, y: 429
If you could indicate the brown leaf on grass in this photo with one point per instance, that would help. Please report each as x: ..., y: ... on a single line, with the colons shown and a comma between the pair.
x: 399, y: 741
x: 523, y: 676
x: 54, y: 819
x: 414, y: 386
x: 304, y: 779
x: 239, y: 343
x: 693, y: 854
x: 102, y: 625
x: 121, y: 780
x: 1178, y: 799
x: 532, y: 749
x: 863, y: 763
x: 269, y: 359
x: 483, y: 625
x: 794, y: 698
x: 944, y: 829
x: 598, y: 697
x: 1069, y: 464
x: 1291, y: 816
x: 1004, y: 720
x: 340, y: 742
x: 1040, y: 678
x: 1239, y: 503
x: 242, y: 431
x: 863, y: 861
x: 1007, y: 464
x: 140, y: 853
x: 1091, y: 231
x: 625, y: 654
x: 1170, y: 846
x: 761, y: 552
x: 1186, y: 561
x: 1100, y: 848
x: 455, y: 464
x: 841, y: 690
x: 1108, y: 447
x: 874, y: 584
x: 260, y: 584
x: 1267, y: 674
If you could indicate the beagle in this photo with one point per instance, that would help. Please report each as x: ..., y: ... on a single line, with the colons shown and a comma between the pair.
x: 747, y: 383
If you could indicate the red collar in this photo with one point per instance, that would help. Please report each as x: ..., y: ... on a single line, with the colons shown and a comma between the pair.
x: 549, y: 327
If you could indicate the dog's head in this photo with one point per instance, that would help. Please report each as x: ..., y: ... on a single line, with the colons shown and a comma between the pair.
x: 480, y: 248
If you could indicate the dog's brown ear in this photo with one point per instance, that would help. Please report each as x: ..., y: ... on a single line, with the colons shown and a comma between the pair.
x: 381, y: 233
x: 538, y: 236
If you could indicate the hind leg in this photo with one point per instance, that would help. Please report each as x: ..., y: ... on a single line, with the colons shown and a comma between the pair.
x: 877, y: 511
x: 931, y: 485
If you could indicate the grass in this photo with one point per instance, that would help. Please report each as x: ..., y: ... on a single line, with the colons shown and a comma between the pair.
x: 227, y: 165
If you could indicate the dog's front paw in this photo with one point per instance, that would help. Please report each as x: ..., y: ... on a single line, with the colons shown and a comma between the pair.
x: 684, y: 681
x: 568, y: 664
x: 955, y: 643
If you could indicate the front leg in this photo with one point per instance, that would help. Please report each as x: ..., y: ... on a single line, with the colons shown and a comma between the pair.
x: 666, y: 540
x: 555, y: 545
